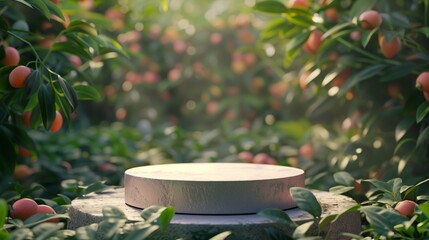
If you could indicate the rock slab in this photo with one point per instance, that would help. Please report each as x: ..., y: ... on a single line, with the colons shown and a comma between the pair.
x: 87, y: 210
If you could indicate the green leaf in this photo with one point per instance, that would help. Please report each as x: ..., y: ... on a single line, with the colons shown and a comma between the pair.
x: 402, y: 127
x: 21, y: 234
x: 400, y: 20
x: 47, y: 105
x: 423, y: 136
x: 113, y: 212
x: 350, y: 209
x: 344, y: 178
x: 326, y: 221
x: 54, y: 9
x: 306, y: 200
x: 422, y: 111
x: 278, y: 216
x: 403, y: 142
x: 381, y: 219
x: 297, y: 41
x: 142, y: 232
x: 300, y: 20
x: 221, y: 236
x: 398, y: 72
x: 110, y: 45
x: 367, y: 35
x: 42, y: 217
x: 111, y: 226
x: 302, y: 229
x: 95, y: 187
x: 336, y: 29
x: 424, y: 30
x: 72, y: 49
x: 152, y: 213
x: 382, y: 186
x: 3, y: 212
x: 424, y: 207
x: 69, y: 92
x: 40, y: 6
x: 361, y: 76
x: 83, y: 27
x: 33, y: 83
x: 360, y: 6
x: 46, y: 230
x: 340, y: 189
x: 165, y: 217
x: 410, y: 193
x: 271, y: 7
x: 86, y: 92
x: 87, y: 232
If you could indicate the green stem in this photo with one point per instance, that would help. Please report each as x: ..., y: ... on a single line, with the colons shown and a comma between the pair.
x: 367, y: 54
x: 361, y: 51
x: 38, y: 59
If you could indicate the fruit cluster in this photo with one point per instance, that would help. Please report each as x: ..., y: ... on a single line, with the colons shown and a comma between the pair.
x: 26, y: 207
x: 259, y: 158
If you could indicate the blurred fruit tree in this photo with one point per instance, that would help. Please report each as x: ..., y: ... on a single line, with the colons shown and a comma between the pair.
x: 361, y: 68
x: 47, y: 56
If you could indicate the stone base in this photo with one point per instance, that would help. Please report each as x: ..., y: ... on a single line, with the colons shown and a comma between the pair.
x: 87, y: 210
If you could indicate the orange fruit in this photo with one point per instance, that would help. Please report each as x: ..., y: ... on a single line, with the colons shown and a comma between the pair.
x: 11, y: 56
x: 391, y: 48
x: 306, y: 150
x: 313, y: 42
x: 355, y: 35
x: 339, y: 80
x: 393, y: 90
x: 58, y: 122
x: 405, y: 207
x: 246, y: 156
x: 422, y: 83
x: 23, y: 208
x: 26, y: 119
x: 24, y: 152
x: 302, y: 80
x: 370, y: 19
x: 42, y: 208
x: 331, y: 14
x: 22, y: 172
x: 18, y: 76
x: 261, y: 158
x: 298, y: 3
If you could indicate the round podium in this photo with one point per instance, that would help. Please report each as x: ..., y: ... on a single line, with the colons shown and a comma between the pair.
x: 212, y: 188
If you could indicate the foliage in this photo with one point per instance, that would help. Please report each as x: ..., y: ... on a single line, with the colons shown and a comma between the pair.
x: 380, y: 219
x: 113, y: 226
x: 365, y: 98
x: 59, y: 50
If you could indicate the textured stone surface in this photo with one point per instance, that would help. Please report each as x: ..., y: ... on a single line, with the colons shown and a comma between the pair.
x: 87, y: 210
x: 212, y: 188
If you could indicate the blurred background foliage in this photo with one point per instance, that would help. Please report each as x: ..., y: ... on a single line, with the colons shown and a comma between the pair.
x: 207, y: 81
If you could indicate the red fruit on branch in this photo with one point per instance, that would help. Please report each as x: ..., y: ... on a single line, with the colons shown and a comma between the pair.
x: 389, y: 48
x: 422, y: 83
x: 370, y: 19
x: 405, y: 207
